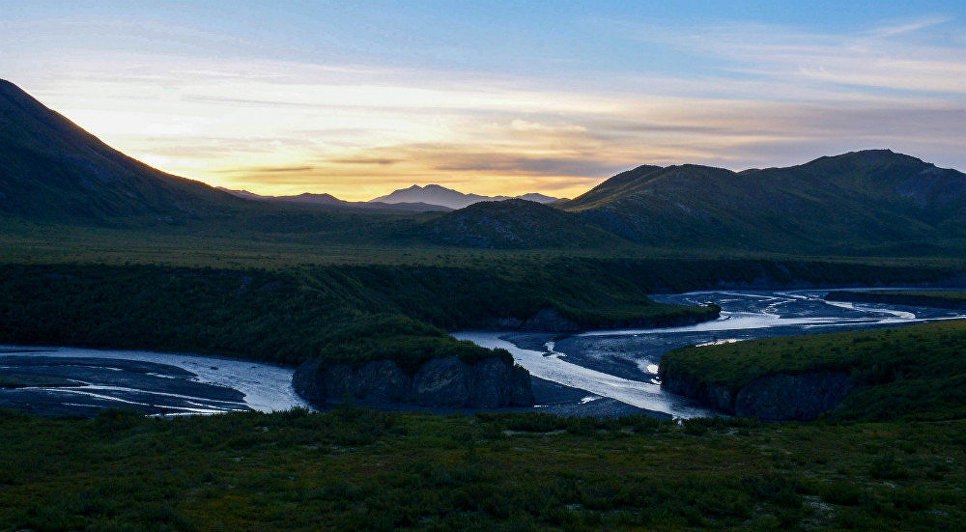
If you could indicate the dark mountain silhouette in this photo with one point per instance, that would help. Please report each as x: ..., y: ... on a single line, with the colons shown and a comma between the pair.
x: 51, y: 169
x: 867, y: 202
x: 513, y: 224
x: 866, y: 199
x: 328, y: 200
x: 539, y: 198
x: 447, y: 197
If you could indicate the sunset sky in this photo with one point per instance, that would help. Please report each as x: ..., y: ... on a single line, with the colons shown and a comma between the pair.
x: 359, y: 98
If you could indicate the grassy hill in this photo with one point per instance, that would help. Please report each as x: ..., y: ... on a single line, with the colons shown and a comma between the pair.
x: 915, y: 372
x: 513, y: 224
x: 873, y: 202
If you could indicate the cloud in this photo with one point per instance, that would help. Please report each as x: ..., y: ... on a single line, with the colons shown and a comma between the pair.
x: 758, y: 96
x: 886, y: 57
x: 905, y: 27
x: 272, y: 170
x: 367, y: 161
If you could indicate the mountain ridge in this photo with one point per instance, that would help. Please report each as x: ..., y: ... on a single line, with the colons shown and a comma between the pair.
x: 855, y: 200
x: 434, y: 194
x: 870, y: 202
x: 51, y: 168
x: 328, y: 200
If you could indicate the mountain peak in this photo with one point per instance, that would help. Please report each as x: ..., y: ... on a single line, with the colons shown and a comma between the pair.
x: 434, y: 194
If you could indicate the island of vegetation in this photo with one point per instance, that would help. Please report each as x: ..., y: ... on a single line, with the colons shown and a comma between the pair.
x: 952, y: 299
x: 870, y: 374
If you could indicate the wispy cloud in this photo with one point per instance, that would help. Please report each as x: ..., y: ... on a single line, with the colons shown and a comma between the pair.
x: 910, y: 26
x: 766, y: 95
x: 883, y: 57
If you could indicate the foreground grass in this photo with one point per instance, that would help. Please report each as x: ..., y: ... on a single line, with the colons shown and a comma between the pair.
x: 918, y: 371
x: 354, y: 469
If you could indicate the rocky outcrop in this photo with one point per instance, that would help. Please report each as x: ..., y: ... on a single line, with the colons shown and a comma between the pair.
x: 551, y: 320
x: 719, y: 398
x: 441, y: 382
x: 779, y: 397
x: 785, y: 397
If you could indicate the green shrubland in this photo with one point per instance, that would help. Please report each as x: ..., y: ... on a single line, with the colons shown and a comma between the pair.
x: 915, y: 372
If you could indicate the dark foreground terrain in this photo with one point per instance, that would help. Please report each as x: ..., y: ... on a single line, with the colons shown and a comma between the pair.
x: 353, y: 469
x: 893, y: 463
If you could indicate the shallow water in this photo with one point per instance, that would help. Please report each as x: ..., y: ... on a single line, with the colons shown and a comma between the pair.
x: 154, y: 383
x: 622, y: 364
x: 619, y: 365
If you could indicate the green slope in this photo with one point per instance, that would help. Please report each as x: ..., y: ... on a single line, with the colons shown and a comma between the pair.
x: 513, y: 224
x: 863, y: 202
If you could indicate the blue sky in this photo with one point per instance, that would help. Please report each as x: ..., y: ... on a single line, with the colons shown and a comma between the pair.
x: 357, y: 98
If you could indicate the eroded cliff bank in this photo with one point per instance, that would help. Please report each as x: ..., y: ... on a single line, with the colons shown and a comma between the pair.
x: 776, y: 397
x: 439, y: 382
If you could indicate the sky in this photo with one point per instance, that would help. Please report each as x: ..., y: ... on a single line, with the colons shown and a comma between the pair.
x: 359, y: 98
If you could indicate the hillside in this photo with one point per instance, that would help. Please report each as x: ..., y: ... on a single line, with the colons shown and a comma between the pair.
x: 512, y: 224
x: 873, y: 201
x: 52, y: 170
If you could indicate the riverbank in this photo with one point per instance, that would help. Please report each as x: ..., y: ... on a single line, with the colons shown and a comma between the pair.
x: 914, y: 372
x: 76, y: 382
x: 622, y: 365
x: 950, y: 299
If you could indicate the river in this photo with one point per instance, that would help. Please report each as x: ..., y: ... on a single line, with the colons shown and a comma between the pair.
x: 621, y: 365
x: 592, y: 373
x: 81, y: 382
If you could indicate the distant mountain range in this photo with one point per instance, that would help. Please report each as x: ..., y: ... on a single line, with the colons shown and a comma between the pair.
x: 429, y: 198
x: 447, y: 197
x: 328, y: 200
x: 873, y: 202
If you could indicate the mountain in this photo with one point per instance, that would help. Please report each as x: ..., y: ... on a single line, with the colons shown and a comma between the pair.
x: 867, y: 201
x: 539, y: 198
x: 447, y: 197
x: 51, y: 169
x: 328, y: 200
x: 512, y: 224
x: 873, y: 202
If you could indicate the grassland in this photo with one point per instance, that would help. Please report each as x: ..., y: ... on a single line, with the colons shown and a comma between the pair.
x: 916, y: 372
x: 354, y: 469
